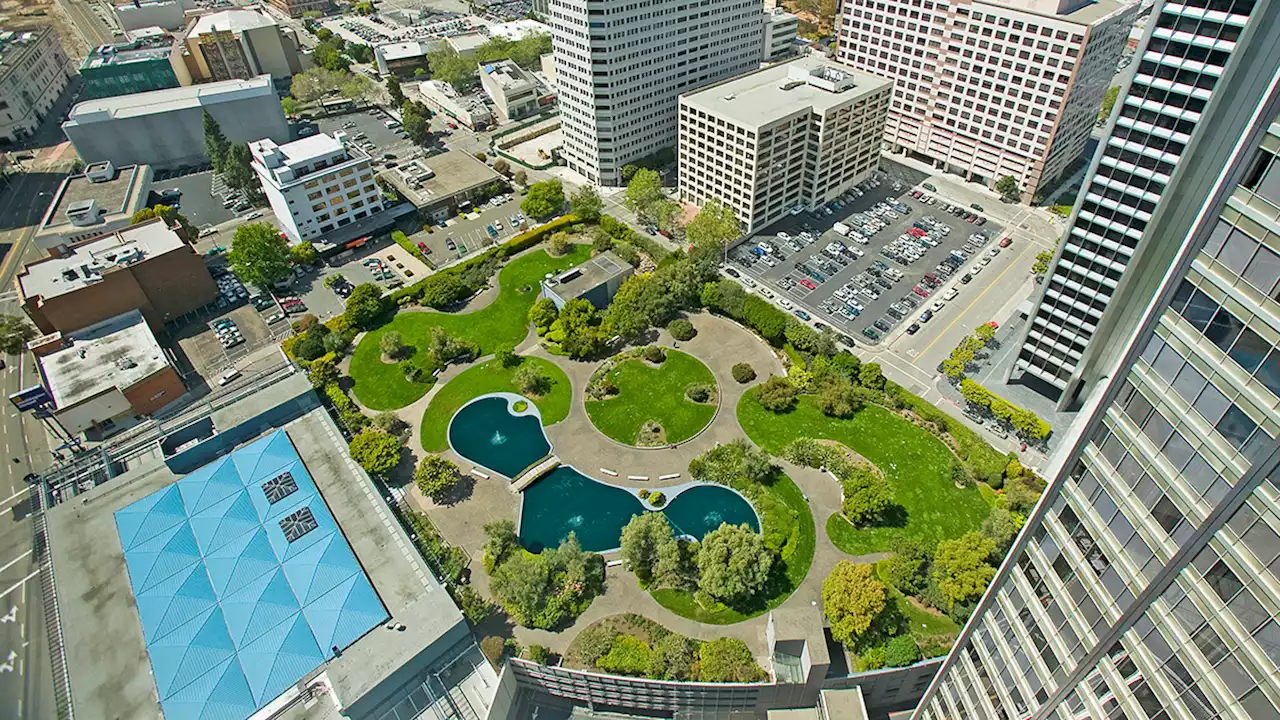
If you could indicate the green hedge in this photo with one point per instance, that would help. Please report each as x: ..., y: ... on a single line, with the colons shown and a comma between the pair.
x: 403, y: 241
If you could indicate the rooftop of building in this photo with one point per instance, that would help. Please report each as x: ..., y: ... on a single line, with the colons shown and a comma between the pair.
x: 150, y: 47
x: 1084, y: 12
x: 162, y: 101
x: 588, y: 275
x: 780, y: 91
x: 133, y: 5
x: 451, y: 172
x: 113, y: 190
x: 85, y: 262
x: 15, y: 43
x: 467, y: 42
x: 146, y: 33
x: 519, y: 29
x: 114, y: 672
x: 780, y: 16
x: 237, y: 20
x: 118, y: 352
x: 441, y: 90
x: 507, y: 74
x: 308, y: 149
x: 409, y: 48
x: 292, y: 162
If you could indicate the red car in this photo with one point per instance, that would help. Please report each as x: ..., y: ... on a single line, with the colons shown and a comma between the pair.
x: 920, y: 291
x: 1006, y: 242
x: 915, y: 232
x: 808, y: 283
x: 423, y: 247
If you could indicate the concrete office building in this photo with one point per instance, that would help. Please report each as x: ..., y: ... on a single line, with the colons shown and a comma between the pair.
x: 241, y: 44
x: 514, y: 92
x: 146, y: 267
x: 1145, y: 583
x: 403, y: 59
x: 143, y: 65
x: 255, y: 571
x: 166, y: 127
x: 468, y: 109
x: 620, y: 70
x: 316, y: 184
x: 780, y: 31
x: 33, y: 73
x: 105, y: 373
x: 296, y: 8
x: 989, y: 89
x: 98, y: 201
x: 168, y: 14
x: 749, y: 142
x: 1108, y: 229
x: 597, y: 280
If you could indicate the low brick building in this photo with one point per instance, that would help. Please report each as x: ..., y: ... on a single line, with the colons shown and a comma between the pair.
x: 147, y: 267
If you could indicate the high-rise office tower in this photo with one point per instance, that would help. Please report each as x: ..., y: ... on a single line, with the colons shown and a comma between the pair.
x: 989, y: 88
x: 1147, y: 583
x: 620, y: 68
x: 1177, y: 83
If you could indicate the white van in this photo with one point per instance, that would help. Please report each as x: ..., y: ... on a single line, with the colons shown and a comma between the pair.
x: 228, y: 376
x: 841, y: 229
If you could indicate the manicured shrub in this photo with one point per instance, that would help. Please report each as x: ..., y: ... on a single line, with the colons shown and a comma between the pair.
x: 657, y: 499
x: 628, y: 656
x: 698, y: 393
x: 744, y: 373
x: 493, y: 648
x: 681, y: 329
x: 655, y: 354
x: 901, y: 651
x: 539, y: 654
x: 777, y: 394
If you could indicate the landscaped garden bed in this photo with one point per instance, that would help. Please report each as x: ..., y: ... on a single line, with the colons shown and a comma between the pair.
x: 634, y: 645
x: 550, y: 393
x: 501, y: 324
x: 652, y: 397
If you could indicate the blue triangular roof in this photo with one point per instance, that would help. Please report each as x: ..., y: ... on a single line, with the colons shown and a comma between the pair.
x: 232, y: 612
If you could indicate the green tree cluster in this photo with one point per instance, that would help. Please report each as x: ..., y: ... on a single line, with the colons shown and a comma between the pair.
x: 733, y: 563
x: 366, y: 306
x: 436, y: 477
x: 576, y: 330
x: 259, y: 255
x: 1008, y: 188
x: 544, y: 199
x: 375, y: 451
x: 414, y: 118
x: 548, y: 589
x: 15, y: 333
x: 1025, y: 422
x: 852, y: 599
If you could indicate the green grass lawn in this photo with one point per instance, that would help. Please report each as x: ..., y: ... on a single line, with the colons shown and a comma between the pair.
x: 786, y: 577
x: 490, y: 377
x: 916, y: 464
x: 648, y: 393
x: 502, y: 323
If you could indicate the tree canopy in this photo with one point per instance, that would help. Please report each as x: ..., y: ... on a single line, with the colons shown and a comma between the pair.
x: 543, y: 199
x: 733, y: 563
x: 713, y: 227
x: 436, y: 477
x: 728, y: 660
x: 365, y: 306
x: 960, y: 567
x: 586, y: 204
x: 1008, y: 188
x: 644, y: 192
x: 852, y: 598
x: 15, y: 333
x: 375, y: 451
x: 642, y: 540
x: 215, y: 143
x: 259, y: 255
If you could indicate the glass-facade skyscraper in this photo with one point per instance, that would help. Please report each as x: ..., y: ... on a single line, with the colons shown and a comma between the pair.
x: 1147, y: 583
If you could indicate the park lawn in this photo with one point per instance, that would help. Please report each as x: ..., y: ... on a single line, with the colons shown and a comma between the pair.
x: 648, y: 393
x: 502, y: 323
x: 490, y: 377
x: 916, y: 464
x: 798, y: 557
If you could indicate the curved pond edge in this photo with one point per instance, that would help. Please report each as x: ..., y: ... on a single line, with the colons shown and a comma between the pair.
x: 512, y: 399
x: 671, y: 493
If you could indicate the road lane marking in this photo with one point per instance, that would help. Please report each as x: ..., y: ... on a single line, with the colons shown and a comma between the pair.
x: 23, y: 491
x: 971, y: 304
x: 14, y: 561
x: 20, y: 583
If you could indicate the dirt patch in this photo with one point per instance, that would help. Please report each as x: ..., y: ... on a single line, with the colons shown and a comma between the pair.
x: 651, y: 434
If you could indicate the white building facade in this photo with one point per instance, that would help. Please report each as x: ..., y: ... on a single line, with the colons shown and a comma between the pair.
x: 514, y: 92
x: 621, y: 67
x: 987, y: 90
x: 780, y: 31
x: 33, y: 73
x: 792, y: 135
x: 316, y: 184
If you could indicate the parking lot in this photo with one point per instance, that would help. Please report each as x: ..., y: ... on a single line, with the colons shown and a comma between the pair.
x: 873, y: 280
x: 368, y: 128
x: 198, y: 202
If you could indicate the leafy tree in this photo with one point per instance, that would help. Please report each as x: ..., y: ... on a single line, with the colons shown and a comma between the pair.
x: 236, y: 168
x: 733, y: 563
x: 415, y: 118
x: 359, y: 52
x: 215, y: 143
x: 15, y: 333
x: 852, y: 599
x: 560, y: 244
x: 500, y: 540
x: 323, y: 34
x: 365, y: 306
x: 1041, y: 266
x: 838, y: 399
x: 520, y: 177
x: 586, y: 204
x: 628, y: 313
x: 1109, y: 102
x: 642, y: 539
x: 395, y: 91
x: 901, y: 651
x: 870, y: 376
x: 724, y: 296
x: 960, y: 568
x: 1008, y: 188
x: 542, y: 314
x: 777, y: 394
x: 322, y: 371
x: 328, y: 55
x: 665, y: 214
x: 304, y: 253
x: 681, y: 329
x: 436, y: 477
x: 866, y: 496
x: 289, y: 105
x: 628, y: 656
x: 713, y: 227
x: 389, y: 423
x: 984, y: 332
x: 1020, y: 497
x: 907, y: 569
x: 766, y: 319
x: 530, y: 380
x: 259, y: 255
x: 575, y: 329
x: 314, y: 84
x: 358, y: 88
x: 543, y: 199
x: 953, y: 368
x: 548, y: 589
x: 643, y: 192
x: 169, y: 214
x: 1001, y: 527
x: 443, y: 289
x: 674, y: 657
x: 728, y: 660
x: 447, y: 66
x: 375, y: 451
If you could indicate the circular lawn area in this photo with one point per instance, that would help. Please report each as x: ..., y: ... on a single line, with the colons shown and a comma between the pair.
x: 649, y: 394
x: 489, y: 377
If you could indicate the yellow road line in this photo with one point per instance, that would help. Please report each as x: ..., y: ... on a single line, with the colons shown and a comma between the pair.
x: 969, y: 307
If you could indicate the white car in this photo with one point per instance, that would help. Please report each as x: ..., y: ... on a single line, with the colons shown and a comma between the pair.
x: 783, y: 236
x: 994, y: 251
x: 766, y: 292
x: 748, y: 282
x: 975, y: 269
x: 937, y: 306
x: 785, y: 303
x: 950, y: 294
x: 228, y: 376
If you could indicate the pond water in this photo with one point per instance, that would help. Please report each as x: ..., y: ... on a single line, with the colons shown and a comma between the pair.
x: 564, y: 500
x: 486, y: 433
